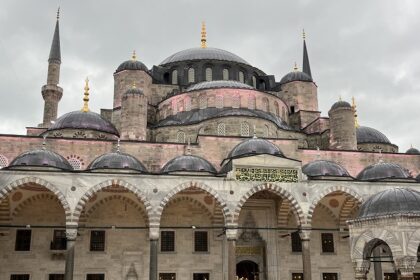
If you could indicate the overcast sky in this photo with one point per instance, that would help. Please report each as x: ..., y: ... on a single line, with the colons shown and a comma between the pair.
x: 366, y: 49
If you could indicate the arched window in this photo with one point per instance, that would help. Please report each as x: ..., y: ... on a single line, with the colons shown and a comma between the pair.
x: 244, y: 129
x: 180, y: 137
x: 266, y: 106
x: 203, y: 102
x: 276, y: 107
x: 262, y: 85
x: 283, y: 114
x: 209, y: 74
x: 187, y: 103
x: 76, y: 162
x: 251, y: 102
x: 254, y: 81
x: 241, y: 77
x: 3, y: 161
x: 225, y: 74
x: 236, y: 101
x: 221, y: 129
x: 175, y: 77
x: 191, y: 75
x: 219, y: 101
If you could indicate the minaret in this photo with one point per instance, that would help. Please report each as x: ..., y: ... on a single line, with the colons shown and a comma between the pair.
x: 306, y: 68
x: 51, y: 92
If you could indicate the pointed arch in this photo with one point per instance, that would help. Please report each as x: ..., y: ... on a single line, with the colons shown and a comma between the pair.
x: 33, y: 199
x: 4, y: 192
x: 297, y: 210
x: 163, y: 203
x: 192, y: 201
x: 109, y: 183
x: 328, y: 191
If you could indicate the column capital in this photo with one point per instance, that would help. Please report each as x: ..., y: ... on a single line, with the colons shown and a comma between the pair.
x: 154, y: 231
x: 305, y: 234
x: 405, y: 265
x: 361, y: 268
x: 231, y: 233
x: 71, y: 231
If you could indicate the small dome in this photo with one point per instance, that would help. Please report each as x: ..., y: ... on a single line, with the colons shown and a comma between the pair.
x: 117, y: 161
x: 324, y: 168
x: 132, y: 64
x: 366, y: 134
x: 413, y: 151
x: 254, y: 146
x: 296, y: 76
x: 134, y: 90
x: 188, y: 163
x: 382, y: 171
x: 340, y: 104
x: 41, y: 158
x: 84, y: 120
x: 202, y: 54
x: 391, y: 202
x: 218, y: 84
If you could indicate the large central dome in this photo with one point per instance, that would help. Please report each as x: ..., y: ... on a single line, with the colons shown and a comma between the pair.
x: 203, y: 53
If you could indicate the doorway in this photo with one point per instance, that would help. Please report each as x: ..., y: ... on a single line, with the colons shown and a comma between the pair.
x: 247, y: 270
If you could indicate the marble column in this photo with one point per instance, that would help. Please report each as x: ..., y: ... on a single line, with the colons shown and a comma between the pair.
x: 361, y: 269
x: 154, y: 243
x: 377, y: 265
x: 306, y: 253
x: 405, y: 267
x: 71, y: 235
x: 231, y: 235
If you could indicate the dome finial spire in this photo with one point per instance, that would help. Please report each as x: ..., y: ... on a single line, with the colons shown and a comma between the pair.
x: 303, y: 34
x: 295, y: 68
x: 86, y: 97
x: 134, y: 56
x: 58, y: 13
x: 356, y: 121
x: 203, y: 35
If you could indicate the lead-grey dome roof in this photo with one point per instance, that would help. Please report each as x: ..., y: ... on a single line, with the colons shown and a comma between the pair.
x: 394, y: 201
x: 366, y: 134
x: 324, y: 168
x: 218, y: 84
x: 41, y: 158
x: 132, y: 65
x: 413, y: 151
x: 295, y: 76
x: 340, y: 104
x: 254, y: 146
x: 117, y: 160
x: 383, y: 171
x: 84, y: 120
x: 203, y: 53
x: 188, y: 163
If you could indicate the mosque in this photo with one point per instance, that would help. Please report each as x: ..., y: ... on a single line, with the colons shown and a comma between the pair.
x: 205, y: 167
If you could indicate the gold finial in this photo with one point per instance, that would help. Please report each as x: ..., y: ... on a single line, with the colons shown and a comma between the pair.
x: 303, y: 34
x: 86, y: 97
x: 203, y: 35
x: 339, y: 98
x: 134, y: 56
x: 58, y: 13
x: 356, y: 121
x: 296, y: 67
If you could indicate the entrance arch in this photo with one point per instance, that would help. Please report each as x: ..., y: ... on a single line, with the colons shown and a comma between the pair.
x: 247, y: 269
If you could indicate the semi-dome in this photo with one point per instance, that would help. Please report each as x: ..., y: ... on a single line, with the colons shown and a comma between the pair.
x: 254, y: 146
x: 203, y: 54
x: 366, y: 134
x: 340, y: 104
x: 188, y: 163
x: 396, y: 201
x: 132, y: 64
x: 295, y: 76
x: 117, y: 160
x: 41, y: 158
x: 324, y: 168
x: 413, y: 151
x: 383, y: 171
x: 218, y: 84
x: 84, y: 120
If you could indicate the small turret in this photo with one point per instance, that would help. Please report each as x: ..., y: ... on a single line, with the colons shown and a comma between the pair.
x: 51, y: 92
x: 342, y: 126
x: 133, y: 120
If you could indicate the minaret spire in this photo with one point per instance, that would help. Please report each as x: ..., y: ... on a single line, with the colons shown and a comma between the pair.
x: 203, y: 35
x: 86, y: 97
x: 306, y: 68
x: 51, y: 92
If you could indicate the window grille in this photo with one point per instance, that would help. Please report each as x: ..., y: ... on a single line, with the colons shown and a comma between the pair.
x: 97, y: 241
x: 3, y: 161
x: 191, y: 75
x: 236, y: 101
x: 244, y: 129
x: 59, y: 241
x: 203, y: 102
x: 327, y: 240
x: 209, y: 74
x: 219, y: 101
x: 329, y: 276
x: 19, y: 277
x: 221, y: 129
x: 75, y: 163
x: 241, y: 76
x: 96, y: 276
x: 296, y: 242
x: 175, y: 77
x: 201, y: 276
x: 167, y: 241
x: 225, y: 74
x: 297, y: 276
x: 200, y: 241
x: 167, y: 276
x: 56, y: 277
x: 180, y: 137
x: 23, y: 240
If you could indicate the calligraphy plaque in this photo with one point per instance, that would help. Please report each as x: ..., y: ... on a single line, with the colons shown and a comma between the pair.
x: 266, y: 174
